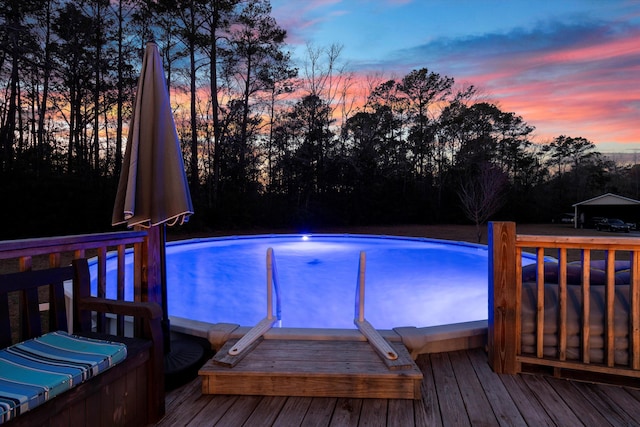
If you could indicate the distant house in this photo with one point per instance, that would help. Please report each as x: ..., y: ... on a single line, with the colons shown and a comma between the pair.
x: 606, y: 206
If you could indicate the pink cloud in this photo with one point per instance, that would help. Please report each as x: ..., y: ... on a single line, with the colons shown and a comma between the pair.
x: 591, y: 91
x: 300, y: 18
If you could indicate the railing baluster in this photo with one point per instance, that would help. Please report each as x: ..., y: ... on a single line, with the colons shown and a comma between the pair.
x: 586, y: 305
x: 518, y: 300
x: 26, y: 263
x: 54, y: 260
x: 137, y: 271
x: 102, y: 272
x: 562, y: 294
x: 102, y: 286
x: 634, y: 317
x: 120, y: 283
x: 610, y: 293
x: 540, y: 307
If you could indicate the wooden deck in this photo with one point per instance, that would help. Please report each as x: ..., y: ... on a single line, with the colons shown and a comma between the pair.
x: 459, y: 389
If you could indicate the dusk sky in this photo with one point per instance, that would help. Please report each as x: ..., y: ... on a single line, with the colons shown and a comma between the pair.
x: 568, y: 67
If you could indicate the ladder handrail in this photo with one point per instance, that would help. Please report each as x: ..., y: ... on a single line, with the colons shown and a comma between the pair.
x: 265, y: 324
x: 359, y: 310
x: 272, y: 283
x: 373, y: 336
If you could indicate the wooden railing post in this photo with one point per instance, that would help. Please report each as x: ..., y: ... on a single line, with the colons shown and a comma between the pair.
x: 146, y: 271
x: 147, y: 268
x: 503, y: 321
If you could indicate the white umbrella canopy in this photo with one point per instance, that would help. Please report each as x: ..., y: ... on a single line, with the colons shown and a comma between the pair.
x: 153, y: 185
x: 153, y: 191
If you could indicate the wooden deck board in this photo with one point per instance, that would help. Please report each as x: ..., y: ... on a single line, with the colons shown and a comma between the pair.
x: 449, y: 396
x: 238, y: 413
x: 475, y: 400
x: 581, y: 407
x: 611, y: 410
x: 620, y: 402
x: 293, y: 411
x: 635, y: 392
x: 561, y: 414
x: 429, y: 395
x: 298, y: 351
x: 215, y: 409
x: 374, y: 412
x: 516, y: 400
x: 400, y: 412
x: 192, y: 403
x: 319, y: 412
x: 346, y: 412
x: 267, y: 411
x: 504, y: 408
x: 530, y: 408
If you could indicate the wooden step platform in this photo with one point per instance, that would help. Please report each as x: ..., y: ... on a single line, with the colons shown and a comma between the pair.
x: 313, y: 368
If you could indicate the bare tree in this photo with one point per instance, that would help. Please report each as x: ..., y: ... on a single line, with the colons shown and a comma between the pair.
x: 483, y: 195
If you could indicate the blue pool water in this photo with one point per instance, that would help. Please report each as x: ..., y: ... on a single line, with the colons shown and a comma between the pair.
x: 409, y: 281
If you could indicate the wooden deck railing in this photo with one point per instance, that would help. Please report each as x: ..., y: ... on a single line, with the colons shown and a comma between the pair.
x: 52, y: 251
x: 506, y: 296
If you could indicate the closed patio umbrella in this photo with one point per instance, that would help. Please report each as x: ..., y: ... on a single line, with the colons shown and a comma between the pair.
x: 153, y: 189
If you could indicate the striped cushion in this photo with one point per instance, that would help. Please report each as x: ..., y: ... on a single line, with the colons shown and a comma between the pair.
x: 34, y: 371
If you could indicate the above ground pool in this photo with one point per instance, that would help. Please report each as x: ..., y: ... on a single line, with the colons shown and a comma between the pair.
x: 409, y: 281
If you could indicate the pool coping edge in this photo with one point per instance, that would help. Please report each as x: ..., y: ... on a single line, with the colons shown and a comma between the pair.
x: 418, y: 340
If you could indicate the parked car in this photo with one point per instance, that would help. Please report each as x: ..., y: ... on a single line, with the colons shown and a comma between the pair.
x: 594, y: 221
x: 566, y: 218
x: 612, y: 224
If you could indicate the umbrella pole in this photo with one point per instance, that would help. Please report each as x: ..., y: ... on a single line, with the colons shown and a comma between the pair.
x: 184, y: 356
x: 166, y: 324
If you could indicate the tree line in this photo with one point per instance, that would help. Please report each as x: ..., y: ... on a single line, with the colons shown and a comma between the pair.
x: 266, y: 141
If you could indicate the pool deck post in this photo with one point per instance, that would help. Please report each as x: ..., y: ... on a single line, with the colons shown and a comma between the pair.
x: 503, y: 325
x: 147, y: 274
